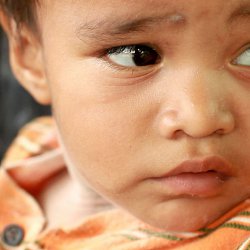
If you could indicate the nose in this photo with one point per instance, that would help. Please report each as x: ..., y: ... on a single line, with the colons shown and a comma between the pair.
x: 202, y: 107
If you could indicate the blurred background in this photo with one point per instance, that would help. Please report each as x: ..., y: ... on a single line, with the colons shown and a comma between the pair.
x: 17, y: 107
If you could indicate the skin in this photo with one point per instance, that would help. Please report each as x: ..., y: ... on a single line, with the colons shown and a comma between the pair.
x: 121, y: 127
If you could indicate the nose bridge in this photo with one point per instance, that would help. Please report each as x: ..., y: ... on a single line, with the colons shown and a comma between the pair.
x: 203, y: 107
x: 202, y: 96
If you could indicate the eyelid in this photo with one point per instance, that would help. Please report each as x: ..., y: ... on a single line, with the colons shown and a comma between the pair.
x: 150, y: 45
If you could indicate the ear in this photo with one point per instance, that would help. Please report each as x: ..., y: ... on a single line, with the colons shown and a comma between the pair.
x: 26, y: 59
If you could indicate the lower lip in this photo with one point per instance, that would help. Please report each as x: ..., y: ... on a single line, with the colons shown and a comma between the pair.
x: 203, y: 184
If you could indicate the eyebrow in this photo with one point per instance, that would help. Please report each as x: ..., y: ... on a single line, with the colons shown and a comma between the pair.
x: 242, y: 12
x: 141, y: 24
x: 106, y: 29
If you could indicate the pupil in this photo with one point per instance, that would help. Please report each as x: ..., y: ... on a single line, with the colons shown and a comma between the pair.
x: 144, y: 56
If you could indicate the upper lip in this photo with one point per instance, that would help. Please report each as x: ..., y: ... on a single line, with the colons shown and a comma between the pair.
x: 202, y: 165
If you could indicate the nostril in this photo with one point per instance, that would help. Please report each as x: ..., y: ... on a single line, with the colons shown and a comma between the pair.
x: 220, y: 132
x: 168, y: 124
x: 177, y: 134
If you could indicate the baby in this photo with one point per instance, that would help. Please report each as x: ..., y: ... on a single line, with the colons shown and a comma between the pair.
x: 150, y: 98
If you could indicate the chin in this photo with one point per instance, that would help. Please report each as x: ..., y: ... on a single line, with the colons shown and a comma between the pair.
x: 188, y: 225
x: 180, y: 220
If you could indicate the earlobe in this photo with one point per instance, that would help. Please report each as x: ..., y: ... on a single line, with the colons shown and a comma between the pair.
x: 26, y: 60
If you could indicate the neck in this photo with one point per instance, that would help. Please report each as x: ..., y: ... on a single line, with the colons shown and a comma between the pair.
x: 65, y: 204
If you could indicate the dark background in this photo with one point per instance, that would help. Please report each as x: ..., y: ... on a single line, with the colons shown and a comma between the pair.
x: 17, y: 107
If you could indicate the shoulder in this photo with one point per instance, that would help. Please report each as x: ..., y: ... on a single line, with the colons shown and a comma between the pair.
x: 35, y: 155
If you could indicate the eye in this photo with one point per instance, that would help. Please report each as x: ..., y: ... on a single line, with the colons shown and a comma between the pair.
x: 243, y: 58
x: 133, y: 56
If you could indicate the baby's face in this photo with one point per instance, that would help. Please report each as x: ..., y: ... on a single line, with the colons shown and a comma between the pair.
x: 152, y: 102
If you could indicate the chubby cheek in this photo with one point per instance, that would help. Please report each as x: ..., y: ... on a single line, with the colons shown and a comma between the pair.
x: 94, y: 142
x: 101, y: 131
x: 99, y: 148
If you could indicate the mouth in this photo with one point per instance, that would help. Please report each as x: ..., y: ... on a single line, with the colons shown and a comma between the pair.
x: 199, y: 177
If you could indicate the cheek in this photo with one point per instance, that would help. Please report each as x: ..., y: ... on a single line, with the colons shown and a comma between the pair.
x: 96, y: 138
x: 102, y: 134
x: 97, y: 146
x: 103, y: 143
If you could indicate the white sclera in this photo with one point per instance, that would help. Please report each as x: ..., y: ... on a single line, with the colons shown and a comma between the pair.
x: 123, y: 58
x: 244, y: 58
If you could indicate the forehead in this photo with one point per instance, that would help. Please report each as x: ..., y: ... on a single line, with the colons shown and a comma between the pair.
x: 122, y: 16
x: 120, y: 10
x: 131, y: 7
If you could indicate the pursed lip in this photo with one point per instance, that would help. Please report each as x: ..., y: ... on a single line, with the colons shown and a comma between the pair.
x: 202, y: 165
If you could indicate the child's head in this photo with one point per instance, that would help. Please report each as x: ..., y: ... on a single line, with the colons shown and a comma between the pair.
x: 151, y: 98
